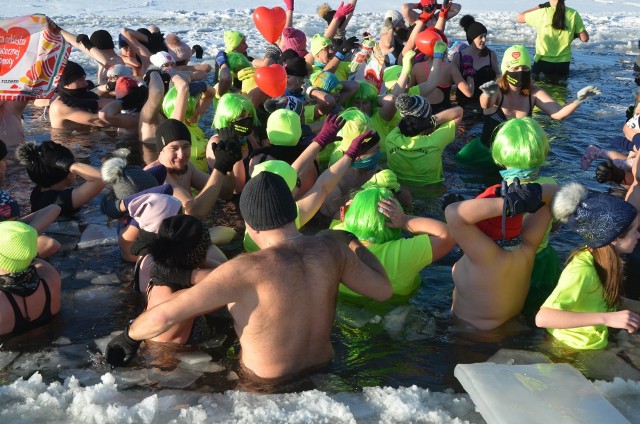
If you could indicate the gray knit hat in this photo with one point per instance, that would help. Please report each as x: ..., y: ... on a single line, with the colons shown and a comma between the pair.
x: 266, y: 202
x: 416, y: 106
x: 598, y: 218
x: 125, y: 179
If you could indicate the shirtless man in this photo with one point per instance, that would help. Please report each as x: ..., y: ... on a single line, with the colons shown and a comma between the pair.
x: 75, y: 107
x: 282, y: 298
x: 492, y: 282
x: 174, y: 143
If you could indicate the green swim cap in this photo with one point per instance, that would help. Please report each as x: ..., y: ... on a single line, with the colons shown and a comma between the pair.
x: 278, y: 167
x: 515, y: 56
x: 319, y: 42
x: 232, y: 39
x: 284, y: 128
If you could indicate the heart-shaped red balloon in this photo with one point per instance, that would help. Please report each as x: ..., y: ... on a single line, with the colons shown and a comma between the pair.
x: 272, y: 79
x: 426, y: 40
x: 270, y: 22
x: 13, y: 44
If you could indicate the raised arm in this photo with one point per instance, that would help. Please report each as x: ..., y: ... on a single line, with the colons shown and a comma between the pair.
x: 552, y: 108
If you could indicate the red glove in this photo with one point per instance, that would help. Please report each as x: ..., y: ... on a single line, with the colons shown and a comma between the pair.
x: 289, y: 4
x: 328, y: 133
x: 360, y: 144
x: 429, y: 7
x: 446, y: 5
x: 343, y: 10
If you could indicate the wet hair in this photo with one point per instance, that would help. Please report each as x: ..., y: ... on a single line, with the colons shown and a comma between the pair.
x: 230, y: 107
x: 366, y: 91
x: 559, y: 21
x: 365, y: 220
x: 520, y: 143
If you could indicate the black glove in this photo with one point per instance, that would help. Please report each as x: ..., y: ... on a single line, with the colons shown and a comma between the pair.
x: 179, y: 276
x: 85, y: 41
x: 54, y: 155
x: 227, y: 154
x: 228, y: 134
x: 347, y: 45
x: 273, y: 52
x: 79, y: 103
x: 606, y: 171
x: 543, y: 5
x: 341, y: 235
x: 110, y: 206
x: 522, y: 198
x: 121, y: 349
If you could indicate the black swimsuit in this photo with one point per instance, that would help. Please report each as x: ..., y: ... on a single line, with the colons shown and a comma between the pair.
x: 490, y: 122
x: 22, y: 323
x: 484, y: 74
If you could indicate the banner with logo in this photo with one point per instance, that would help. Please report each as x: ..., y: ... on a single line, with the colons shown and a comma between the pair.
x: 31, y: 57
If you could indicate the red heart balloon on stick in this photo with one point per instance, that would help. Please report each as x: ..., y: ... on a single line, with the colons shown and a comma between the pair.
x: 270, y: 22
x: 426, y: 40
x: 272, y: 79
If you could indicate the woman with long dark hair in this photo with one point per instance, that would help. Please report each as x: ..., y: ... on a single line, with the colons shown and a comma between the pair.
x: 557, y: 27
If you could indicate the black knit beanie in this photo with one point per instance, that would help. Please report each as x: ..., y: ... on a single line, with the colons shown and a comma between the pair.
x: 29, y: 155
x: 472, y: 28
x: 102, y: 40
x: 182, y: 242
x: 171, y: 130
x: 266, y: 202
x: 72, y: 72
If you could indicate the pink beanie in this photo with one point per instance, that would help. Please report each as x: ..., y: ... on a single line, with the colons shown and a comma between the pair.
x: 150, y: 209
x: 294, y: 39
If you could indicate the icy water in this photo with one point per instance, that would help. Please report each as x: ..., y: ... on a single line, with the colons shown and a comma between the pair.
x: 397, y: 368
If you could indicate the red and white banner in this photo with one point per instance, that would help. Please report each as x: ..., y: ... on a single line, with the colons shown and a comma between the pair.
x: 31, y: 57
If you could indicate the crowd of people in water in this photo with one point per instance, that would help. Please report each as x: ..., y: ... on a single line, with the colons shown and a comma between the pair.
x: 317, y: 150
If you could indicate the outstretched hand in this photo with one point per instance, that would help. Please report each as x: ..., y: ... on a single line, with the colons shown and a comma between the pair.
x: 489, y: 88
x: 343, y: 10
x: 227, y: 154
x: 362, y: 144
x: 439, y: 49
x: 626, y: 320
x: 289, y: 4
x: 586, y: 93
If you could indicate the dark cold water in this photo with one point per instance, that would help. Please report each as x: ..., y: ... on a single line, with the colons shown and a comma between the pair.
x: 413, y: 345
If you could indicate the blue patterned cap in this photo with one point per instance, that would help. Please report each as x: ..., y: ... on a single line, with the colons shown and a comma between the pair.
x: 601, y: 218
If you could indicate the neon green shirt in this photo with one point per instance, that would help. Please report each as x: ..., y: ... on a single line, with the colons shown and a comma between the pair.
x: 403, y: 260
x: 382, y: 127
x: 553, y: 45
x: 341, y: 72
x: 418, y: 160
x: 580, y: 290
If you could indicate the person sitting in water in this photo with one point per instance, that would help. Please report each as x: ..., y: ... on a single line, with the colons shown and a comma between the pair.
x: 29, y: 287
x: 10, y: 211
x: 174, y: 143
x: 169, y: 258
x: 513, y: 95
x: 298, y: 300
x: 76, y: 106
x: 377, y: 219
x: 414, y: 149
x: 492, y: 278
x: 587, y: 300
x: 53, y: 168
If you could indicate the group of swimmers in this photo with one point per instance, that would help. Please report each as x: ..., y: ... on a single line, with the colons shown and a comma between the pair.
x: 315, y: 151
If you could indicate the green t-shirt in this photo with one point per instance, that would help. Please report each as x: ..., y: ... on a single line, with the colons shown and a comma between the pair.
x: 553, y: 45
x: 382, y: 127
x: 418, y: 160
x: 403, y: 260
x: 580, y: 290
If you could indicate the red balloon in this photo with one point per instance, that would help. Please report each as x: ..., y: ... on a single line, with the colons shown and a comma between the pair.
x: 426, y: 40
x: 271, y: 79
x: 270, y: 22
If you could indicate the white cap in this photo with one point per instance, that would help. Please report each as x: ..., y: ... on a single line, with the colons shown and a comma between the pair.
x: 120, y: 70
x: 395, y: 16
x: 162, y: 58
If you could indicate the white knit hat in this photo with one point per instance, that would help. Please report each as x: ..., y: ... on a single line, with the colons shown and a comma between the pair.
x: 162, y: 58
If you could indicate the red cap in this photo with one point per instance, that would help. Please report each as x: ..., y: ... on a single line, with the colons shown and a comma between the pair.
x: 124, y: 85
x: 492, y: 227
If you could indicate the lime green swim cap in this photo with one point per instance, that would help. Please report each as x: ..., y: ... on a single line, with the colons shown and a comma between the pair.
x: 278, y: 167
x: 515, y: 56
